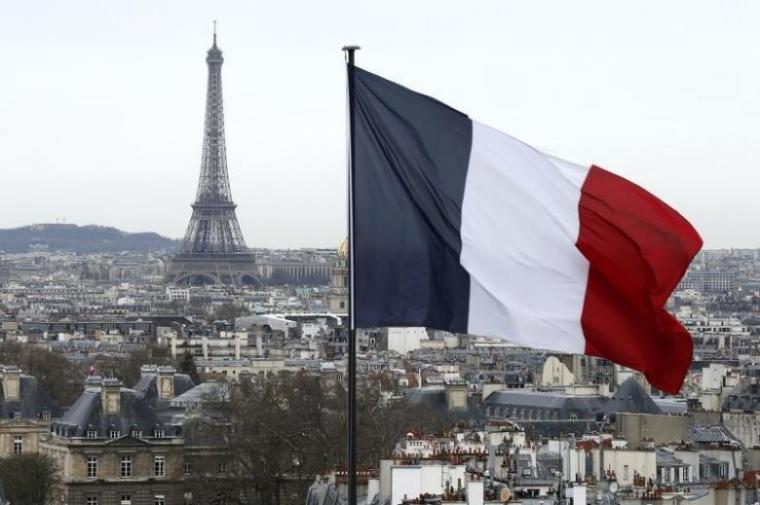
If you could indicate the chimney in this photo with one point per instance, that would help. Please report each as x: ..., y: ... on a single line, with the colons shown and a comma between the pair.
x: 456, y: 395
x: 475, y: 493
x: 166, y: 382
x: 11, y: 376
x: 111, y: 396
x: 238, y: 337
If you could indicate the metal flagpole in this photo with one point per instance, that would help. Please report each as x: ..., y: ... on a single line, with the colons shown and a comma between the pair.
x: 351, y: 425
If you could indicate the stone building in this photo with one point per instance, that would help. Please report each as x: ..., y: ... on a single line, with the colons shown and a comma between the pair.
x: 112, y: 449
x: 26, y: 411
x: 136, y: 446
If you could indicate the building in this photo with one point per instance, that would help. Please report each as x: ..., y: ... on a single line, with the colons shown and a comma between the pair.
x: 112, y: 448
x: 26, y: 412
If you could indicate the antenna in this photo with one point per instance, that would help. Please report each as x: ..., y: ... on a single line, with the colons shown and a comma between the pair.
x: 215, y: 32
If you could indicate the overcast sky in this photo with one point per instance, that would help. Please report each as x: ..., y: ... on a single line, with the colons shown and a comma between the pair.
x: 101, y: 103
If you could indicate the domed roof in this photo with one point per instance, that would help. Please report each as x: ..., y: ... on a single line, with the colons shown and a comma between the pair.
x: 343, y: 249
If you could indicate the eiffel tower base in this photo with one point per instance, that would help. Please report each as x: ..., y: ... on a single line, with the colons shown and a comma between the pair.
x: 238, y: 269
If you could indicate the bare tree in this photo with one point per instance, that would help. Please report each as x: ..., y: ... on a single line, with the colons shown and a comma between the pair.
x: 29, y: 479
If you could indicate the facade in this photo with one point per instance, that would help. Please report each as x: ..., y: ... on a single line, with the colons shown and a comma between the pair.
x: 123, y: 446
x: 25, y: 413
x: 112, y: 449
x: 213, y: 250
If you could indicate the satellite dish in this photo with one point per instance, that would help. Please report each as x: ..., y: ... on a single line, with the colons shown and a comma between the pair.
x: 614, y: 486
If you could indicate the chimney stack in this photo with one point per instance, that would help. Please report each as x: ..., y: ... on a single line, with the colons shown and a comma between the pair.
x: 111, y: 396
x: 11, y: 377
x: 165, y: 382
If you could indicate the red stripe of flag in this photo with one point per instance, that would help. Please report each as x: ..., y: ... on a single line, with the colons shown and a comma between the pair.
x: 638, y: 249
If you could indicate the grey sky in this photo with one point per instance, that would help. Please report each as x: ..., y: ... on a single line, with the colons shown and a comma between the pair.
x: 101, y: 103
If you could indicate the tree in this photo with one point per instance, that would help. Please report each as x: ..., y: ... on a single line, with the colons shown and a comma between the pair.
x: 129, y: 370
x: 279, y: 433
x: 187, y: 365
x: 61, y: 379
x: 228, y: 311
x: 282, y: 431
x: 29, y: 479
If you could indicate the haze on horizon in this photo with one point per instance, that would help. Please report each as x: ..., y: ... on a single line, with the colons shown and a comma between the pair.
x: 102, y: 102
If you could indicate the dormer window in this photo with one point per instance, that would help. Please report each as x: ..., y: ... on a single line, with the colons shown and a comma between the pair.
x: 158, y: 433
x: 16, y: 414
x: 46, y: 415
x: 92, y: 433
x: 113, y: 433
x: 136, y: 433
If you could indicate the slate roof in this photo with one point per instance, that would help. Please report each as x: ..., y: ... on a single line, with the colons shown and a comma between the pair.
x: 87, y: 413
x: 666, y: 458
x: 203, y: 393
x: 671, y: 406
x: 584, y: 407
x: 745, y: 397
x: 148, y: 386
x: 710, y: 434
x: 33, y: 401
x: 434, y: 397
x: 631, y: 397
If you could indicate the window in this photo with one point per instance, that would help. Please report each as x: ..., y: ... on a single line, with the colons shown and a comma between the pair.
x: 159, y: 462
x: 723, y: 470
x: 126, y: 466
x: 114, y: 434
x: 92, y: 433
x: 92, y: 500
x: 136, y: 434
x: 126, y: 499
x: 16, y: 414
x: 159, y: 500
x: 188, y: 469
x: 222, y: 467
x: 46, y: 416
x: 159, y: 433
x: 18, y: 445
x: 92, y: 466
x: 626, y: 471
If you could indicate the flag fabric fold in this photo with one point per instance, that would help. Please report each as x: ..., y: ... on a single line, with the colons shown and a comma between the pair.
x: 460, y: 227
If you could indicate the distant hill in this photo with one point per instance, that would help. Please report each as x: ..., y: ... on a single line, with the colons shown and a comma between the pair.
x: 81, y: 239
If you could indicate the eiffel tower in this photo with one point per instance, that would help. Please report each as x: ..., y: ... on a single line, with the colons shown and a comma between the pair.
x: 213, y: 250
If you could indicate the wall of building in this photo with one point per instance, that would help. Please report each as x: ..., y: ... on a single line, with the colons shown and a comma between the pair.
x: 626, y: 462
x: 556, y: 373
x: 745, y: 426
x: 663, y: 429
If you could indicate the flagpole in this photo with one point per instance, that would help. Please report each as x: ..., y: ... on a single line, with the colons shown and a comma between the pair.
x: 351, y: 421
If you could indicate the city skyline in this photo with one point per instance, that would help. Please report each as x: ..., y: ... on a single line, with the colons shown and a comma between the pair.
x: 103, y: 112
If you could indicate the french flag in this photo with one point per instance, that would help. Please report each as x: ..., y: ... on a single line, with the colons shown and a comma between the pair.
x: 459, y: 227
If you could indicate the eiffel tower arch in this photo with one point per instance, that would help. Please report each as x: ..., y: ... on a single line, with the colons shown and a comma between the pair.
x: 213, y: 250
